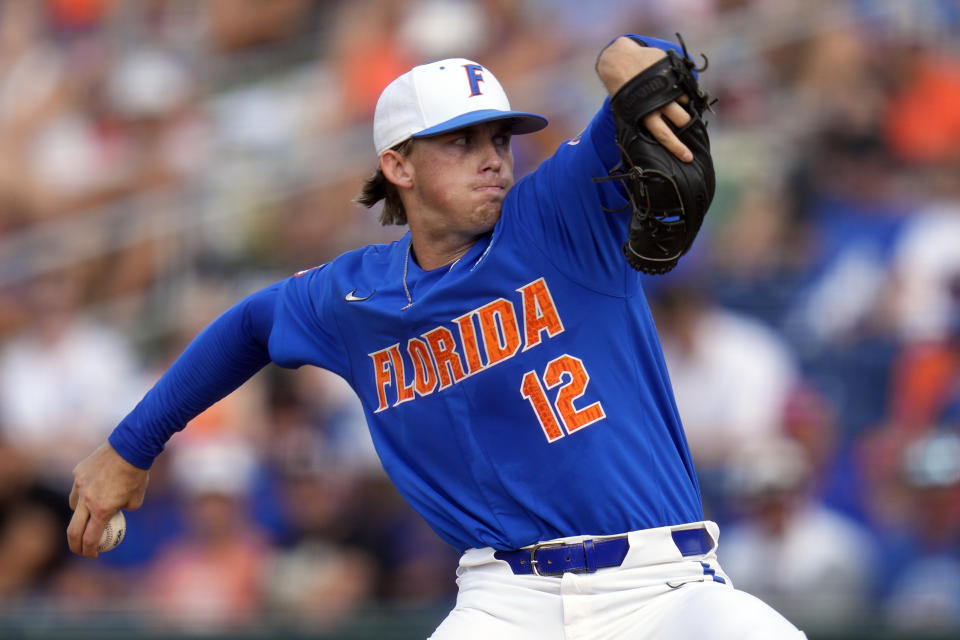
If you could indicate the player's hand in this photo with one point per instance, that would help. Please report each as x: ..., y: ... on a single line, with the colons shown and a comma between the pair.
x: 620, y: 62
x: 103, y: 482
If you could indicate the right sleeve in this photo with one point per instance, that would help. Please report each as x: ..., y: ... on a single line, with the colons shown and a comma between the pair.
x: 577, y: 221
x: 220, y: 359
x: 574, y: 213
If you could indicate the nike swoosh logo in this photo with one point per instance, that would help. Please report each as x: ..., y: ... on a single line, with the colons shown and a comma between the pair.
x: 350, y: 297
x: 680, y: 583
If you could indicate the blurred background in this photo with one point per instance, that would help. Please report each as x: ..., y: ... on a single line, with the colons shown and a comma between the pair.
x: 161, y: 159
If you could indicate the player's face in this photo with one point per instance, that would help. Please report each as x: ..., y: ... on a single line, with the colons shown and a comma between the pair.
x: 461, y: 178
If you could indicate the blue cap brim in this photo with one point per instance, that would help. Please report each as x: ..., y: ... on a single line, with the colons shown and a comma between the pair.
x: 523, y: 122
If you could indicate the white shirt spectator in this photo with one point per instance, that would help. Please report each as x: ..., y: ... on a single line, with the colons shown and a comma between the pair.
x: 818, y: 570
x: 730, y: 383
x: 61, y: 395
x: 926, y: 265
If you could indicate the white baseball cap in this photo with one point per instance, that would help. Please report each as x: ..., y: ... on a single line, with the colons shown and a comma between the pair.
x: 443, y: 96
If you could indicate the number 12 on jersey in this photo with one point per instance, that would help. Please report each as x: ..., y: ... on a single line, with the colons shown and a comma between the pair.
x: 562, y: 417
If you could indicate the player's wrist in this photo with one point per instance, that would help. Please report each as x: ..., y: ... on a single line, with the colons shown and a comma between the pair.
x: 127, y: 449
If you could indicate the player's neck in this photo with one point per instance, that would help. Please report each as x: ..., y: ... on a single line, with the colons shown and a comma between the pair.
x: 433, y: 255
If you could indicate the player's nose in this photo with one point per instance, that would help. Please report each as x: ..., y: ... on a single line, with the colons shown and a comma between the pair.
x: 491, y: 158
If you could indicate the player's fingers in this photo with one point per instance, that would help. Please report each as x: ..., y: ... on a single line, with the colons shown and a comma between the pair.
x: 92, y: 533
x: 676, y: 114
x: 74, y: 496
x: 78, y: 523
x: 657, y: 127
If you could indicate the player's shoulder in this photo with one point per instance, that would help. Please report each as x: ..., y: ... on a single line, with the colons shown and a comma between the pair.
x: 368, y: 263
x: 372, y: 259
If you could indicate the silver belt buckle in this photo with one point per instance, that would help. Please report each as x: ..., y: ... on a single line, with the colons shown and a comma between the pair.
x: 551, y: 545
x: 533, y: 558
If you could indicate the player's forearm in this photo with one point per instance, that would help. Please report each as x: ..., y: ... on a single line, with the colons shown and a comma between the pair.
x: 224, y: 356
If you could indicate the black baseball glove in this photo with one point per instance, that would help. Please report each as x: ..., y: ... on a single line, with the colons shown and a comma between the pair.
x: 668, y: 197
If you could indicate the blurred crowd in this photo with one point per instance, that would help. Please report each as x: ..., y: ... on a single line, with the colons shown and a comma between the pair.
x: 160, y: 159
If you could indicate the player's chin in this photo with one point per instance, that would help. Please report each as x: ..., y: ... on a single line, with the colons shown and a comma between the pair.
x: 487, y: 214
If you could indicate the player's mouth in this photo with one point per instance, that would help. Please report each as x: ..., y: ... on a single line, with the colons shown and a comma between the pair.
x: 498, y: 187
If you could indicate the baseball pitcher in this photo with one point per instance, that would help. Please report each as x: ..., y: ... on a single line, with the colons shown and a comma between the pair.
x: 505, y: 357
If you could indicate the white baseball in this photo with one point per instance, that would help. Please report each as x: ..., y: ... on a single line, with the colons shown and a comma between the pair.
x: 113, y: 533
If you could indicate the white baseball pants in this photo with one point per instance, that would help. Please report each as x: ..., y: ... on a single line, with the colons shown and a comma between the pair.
x: 656, y: 594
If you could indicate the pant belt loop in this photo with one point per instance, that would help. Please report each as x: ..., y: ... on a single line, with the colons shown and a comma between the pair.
x: 589, y: 552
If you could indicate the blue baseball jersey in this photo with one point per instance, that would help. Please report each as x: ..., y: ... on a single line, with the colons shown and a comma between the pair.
x: 522, y: 395
x: 515, y: 396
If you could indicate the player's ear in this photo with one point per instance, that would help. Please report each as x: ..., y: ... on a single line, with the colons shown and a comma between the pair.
x: 397, y: 168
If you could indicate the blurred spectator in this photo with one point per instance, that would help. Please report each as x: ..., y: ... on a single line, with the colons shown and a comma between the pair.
x: 235, y: 25
x: 587, y: 24
x: 438, y: 29
x: 925, y: 389
x: 71, y: 148
x: 730, y: 374
x: 847, y: 192
x: 922, y: 119
x: 151, y: 110
x: 32, y: 521
x: 351, y: 537
x: 757, y: 254
x: 212, y: 579
x: 755, y: 240
x: 922, y: 584
x: 926, y: 383
x: 790, y: 549
x: 33, y: 87
x: 316, y: 423
x: 368, y: 52
x: 417, y: 569
x: 509, y: 50
x: 66, y: 380
x: 836, y: 477
x: 855, y: 222
x: 339, y: 415
x: 322, y: 576
x: 925, y: 299
x: 838, y: 81
x: 848, y: 200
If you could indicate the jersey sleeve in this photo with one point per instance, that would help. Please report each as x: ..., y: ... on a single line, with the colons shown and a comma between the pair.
x: 281, y: 323
x: 220, y: 359
x: 305, y: 329
x: 577, y: 216
x: 571, y: 214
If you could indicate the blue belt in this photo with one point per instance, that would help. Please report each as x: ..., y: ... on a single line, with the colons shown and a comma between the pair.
x: 555, y: 558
